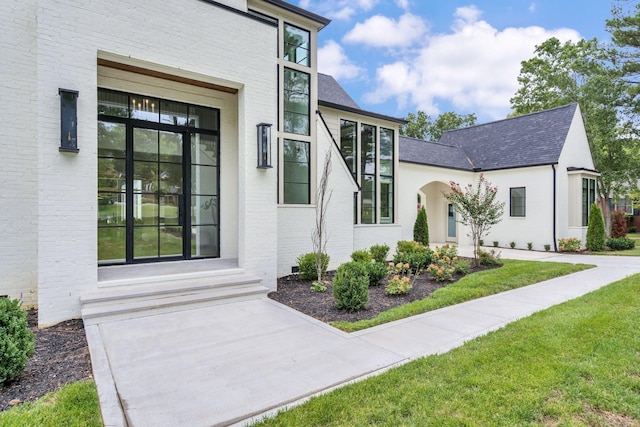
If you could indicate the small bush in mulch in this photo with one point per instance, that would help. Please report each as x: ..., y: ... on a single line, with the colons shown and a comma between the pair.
x: 16, y: 340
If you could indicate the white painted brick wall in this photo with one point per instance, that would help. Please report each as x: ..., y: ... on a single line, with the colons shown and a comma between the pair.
x: 57, y: 239
x: 18, y: 151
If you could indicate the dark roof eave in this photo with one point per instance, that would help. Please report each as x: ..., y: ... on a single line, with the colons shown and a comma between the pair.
x: 576, y: 169
x: 362, y: 112
x: 413, y: 162
x: 300, y: 11
x: 516, y: 167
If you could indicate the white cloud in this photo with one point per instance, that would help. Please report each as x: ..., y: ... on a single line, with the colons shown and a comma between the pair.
x: 332, y: 60
x: 533, y: 7
x: 382, y: 31
x: 341, y: 10
x: 403, y: 4
x: 474, y: 67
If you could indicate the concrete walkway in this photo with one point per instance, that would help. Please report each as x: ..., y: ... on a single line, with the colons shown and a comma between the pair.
x: 229, y: 364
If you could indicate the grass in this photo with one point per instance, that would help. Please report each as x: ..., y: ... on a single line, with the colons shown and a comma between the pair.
x: 574, y: 364
x: 513, y: 274
x: 73, y: 405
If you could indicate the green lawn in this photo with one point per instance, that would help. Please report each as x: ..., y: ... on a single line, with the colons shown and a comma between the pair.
x: 574, y: 364
x: 513, y: 274
x: 74, y: 405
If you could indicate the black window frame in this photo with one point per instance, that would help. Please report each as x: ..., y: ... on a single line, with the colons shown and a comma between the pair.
x: 512, y: 202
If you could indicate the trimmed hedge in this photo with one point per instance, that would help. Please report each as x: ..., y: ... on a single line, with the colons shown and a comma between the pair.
x: 621, y: 243
x: 351, y: 286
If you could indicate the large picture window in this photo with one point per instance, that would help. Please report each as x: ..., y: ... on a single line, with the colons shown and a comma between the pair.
x: 386, y: 176
x: 588, y: 198
x: 517, y: 202
x: 296, y: 172
x: 368, y: 174
x: 349, y: 143
x: 296, y: 102
x: 297, y: 45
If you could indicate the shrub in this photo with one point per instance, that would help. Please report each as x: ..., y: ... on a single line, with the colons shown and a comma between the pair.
x: 489, y: 258
x: 351, y: 286
x: 481, y: 242
x: 547, y: 248
x: 376, y: 271
x: 441, y: 271
x: 445, y: 251
x: 618, y: 224
x: 361, y: 255
x: 572, y: 244
x: 621, y: 243
x: 17, y: 342
x: 530, y: 246
x: 398, y: 286
x: 595, y: 230
x: 307, y: 265
x: 318, y: 287
x: 379, y: 252
x: 413, y: 253
x: 495, y: 244
x: 462, y: 267
x: 632, y: 229
x: 421, y: 228
x: 512, y: 244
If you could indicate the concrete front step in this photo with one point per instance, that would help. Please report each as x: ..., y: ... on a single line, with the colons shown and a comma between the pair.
x: 145, y: 296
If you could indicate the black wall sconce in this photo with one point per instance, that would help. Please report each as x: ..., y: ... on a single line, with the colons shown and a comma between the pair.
x: 68, y: 120
x: 264, y: 145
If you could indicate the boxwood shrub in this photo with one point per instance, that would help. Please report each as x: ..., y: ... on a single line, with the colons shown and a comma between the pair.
x: 307, y: 265
x: 351, y: 286
x: 621, y: 243
x: 17, y: 342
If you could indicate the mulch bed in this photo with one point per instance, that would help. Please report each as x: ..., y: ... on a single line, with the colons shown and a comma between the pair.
x: 295, y: 292
x: 61, y: 357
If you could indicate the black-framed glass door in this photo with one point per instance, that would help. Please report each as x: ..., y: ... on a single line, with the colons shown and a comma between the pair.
x: 158, y: 183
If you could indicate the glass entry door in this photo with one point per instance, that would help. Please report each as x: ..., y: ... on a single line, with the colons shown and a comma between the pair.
x: 158, y: 180
x: 451, y: 222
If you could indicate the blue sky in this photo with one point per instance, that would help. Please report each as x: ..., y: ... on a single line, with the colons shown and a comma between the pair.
x: 400, y: 56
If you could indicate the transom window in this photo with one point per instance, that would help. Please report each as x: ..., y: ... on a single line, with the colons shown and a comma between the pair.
x: 297, y: 45
x: 517, y: 201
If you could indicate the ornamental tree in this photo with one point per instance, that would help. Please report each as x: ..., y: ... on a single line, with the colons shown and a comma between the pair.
x: 477, y: 208
x: 421, y: 228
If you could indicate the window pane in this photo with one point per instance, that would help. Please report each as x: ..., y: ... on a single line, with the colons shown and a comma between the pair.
x: 204, y: 179
x: 203, y: 117
x: 111, y: 174
x: 170, y: 147
x: 296, y: 102
x: 145, y: 144
x: 113, y: 103
x: 348, y: 143
x: 170, y: 178
x: 204, y: 241
x: 368, y: 208
x: 386, y: 152
x: 204, y: 149
x: 386, y: 200
x: 170, y: 241
x: 145, y: 242
x: 112, y: 139
x: 296, y: 171
x: 111, y: 209
x: 145, y: 209
x: 518, y: 201
x: 368, y: 147
x: 170, y: 209
x: 585, y: 202
x: 173, y: 113
x: 204, y: 210
x: 145, y: 108
x: 296, y: 45
x: 112, y: 244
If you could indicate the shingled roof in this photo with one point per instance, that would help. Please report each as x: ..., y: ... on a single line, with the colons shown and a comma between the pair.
x: 332, y: 95
x: 413, y: 150
x: 529, y: 140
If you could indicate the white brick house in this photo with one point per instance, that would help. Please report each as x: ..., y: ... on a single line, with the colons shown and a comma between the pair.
x: 165, y: 178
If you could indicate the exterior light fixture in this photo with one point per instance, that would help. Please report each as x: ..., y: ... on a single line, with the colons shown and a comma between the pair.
x: 68, y: 120
x: 264, y: 145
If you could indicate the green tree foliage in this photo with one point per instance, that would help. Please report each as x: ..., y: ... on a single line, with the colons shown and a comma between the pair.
x: 477, y: 208
x: 422, y: 126
x: 624, y: 27
x: 16, y: 340
x: 421, y: 228
x: 582, y: 72
x: 595, y: 230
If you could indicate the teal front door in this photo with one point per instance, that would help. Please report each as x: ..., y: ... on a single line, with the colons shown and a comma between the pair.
x: 451, y: 222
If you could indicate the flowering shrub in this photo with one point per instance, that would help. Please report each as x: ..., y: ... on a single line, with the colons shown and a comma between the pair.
x: 413, y: 253
x: 490, y: 258
x: 400, y: 283
x: 441, y: 271
x: 571, y: 244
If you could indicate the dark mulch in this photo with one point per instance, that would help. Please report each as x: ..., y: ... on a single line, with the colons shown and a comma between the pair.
x: 61, y: 357
x: 295, y: 293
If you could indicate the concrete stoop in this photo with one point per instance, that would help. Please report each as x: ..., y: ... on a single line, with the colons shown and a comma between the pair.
x: 141, y: 296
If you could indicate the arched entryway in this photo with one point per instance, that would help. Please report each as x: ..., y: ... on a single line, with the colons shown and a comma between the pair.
x: 441, y: 215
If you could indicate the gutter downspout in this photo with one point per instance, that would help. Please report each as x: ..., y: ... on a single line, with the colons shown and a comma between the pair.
x: 555, y: 240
